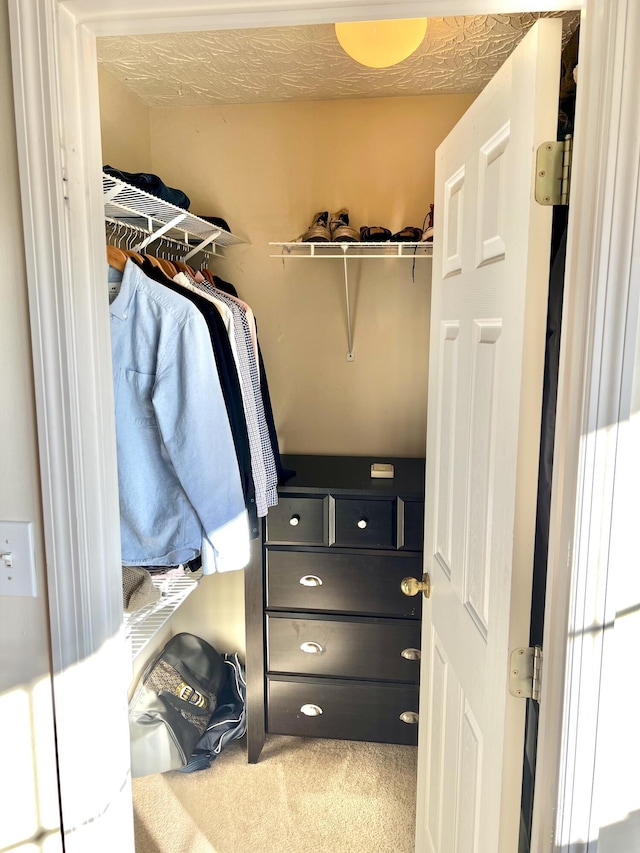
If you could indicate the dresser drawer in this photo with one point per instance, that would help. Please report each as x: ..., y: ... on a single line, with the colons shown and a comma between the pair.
x: 299, y: 521
x: 350, y: 711
x: 342, y: 581
x: 363, y: 523
x: 359, y: 648
x: 412, y: 525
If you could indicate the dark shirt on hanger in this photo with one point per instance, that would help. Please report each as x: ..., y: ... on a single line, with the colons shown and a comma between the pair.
x: 283, y: 473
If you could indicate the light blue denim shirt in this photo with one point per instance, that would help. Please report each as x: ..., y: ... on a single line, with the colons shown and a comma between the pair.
x: 180, y: 491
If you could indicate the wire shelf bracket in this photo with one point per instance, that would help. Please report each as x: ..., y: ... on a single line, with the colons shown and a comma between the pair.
x: 352, y: 251
x: 155, y: 235
x: 203, y: 245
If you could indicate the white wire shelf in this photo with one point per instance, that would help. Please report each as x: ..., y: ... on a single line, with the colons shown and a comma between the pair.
x: 158, y: 218
x: 353, y: 250
x: 141, y: 626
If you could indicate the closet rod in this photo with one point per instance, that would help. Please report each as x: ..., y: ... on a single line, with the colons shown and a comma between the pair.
x: 180, y: 249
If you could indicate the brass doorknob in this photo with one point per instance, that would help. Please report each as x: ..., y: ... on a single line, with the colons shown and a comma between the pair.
x: 411, y: 586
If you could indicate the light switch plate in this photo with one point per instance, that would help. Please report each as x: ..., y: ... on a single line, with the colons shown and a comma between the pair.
x: 17, y: 559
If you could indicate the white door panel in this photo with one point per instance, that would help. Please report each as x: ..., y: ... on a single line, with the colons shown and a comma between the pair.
x: 490, y: 280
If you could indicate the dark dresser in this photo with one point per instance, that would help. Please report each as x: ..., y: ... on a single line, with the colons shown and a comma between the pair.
x: 332, y: 642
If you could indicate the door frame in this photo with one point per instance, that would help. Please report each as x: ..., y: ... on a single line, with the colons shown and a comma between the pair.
x: 58, y: 134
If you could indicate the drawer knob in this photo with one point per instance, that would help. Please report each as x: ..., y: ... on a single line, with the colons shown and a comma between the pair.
x: 311, y: 648
x: 362, y: 523
x: 410, y: 654
x: 411, y: 586
x: 294, y: 521
x: 310, y: 580
x: 311, y: 710
x: 409, y: 717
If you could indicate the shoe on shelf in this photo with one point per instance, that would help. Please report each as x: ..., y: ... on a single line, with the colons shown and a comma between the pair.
x: 318, y: 231
x: 427, y: 234
x: 407, y: 235
x: 374, y: 234
x: 341, y: 231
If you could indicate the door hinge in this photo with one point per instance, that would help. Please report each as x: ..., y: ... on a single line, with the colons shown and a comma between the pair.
x: 553, y: 171
x: 525, y: 673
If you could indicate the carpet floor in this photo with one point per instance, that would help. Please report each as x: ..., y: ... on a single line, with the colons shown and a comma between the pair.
x: 303, y: 796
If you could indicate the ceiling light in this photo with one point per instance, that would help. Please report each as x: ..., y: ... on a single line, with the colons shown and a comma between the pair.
x: 379, y: 44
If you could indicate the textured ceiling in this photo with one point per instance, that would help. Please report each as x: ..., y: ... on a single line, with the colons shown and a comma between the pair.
x: 307, y: 64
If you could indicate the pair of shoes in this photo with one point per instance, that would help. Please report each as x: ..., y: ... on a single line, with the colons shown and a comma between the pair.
x: 374, y: 234
x: 378, y: 234
x: 325, y: 227
x: 318, y: 231
x: 407, y: 235
x: 341, y: 231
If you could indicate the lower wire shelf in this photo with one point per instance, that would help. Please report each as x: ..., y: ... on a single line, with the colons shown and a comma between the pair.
x: 141, y: 626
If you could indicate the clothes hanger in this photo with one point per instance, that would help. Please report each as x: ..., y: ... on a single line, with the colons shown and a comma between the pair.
x: 132, y: 238
x: 157, y: 262
x: 164, y: 254
x: 153, y: 260
x: 195, y: 274
x: 116, y: 258
x: 116, y: 252
x: 135, y: 256
x: 167, y: 267
x: 182, y: 267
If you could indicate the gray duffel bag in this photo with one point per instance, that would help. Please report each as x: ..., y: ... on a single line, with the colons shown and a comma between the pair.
x: 172, y: 704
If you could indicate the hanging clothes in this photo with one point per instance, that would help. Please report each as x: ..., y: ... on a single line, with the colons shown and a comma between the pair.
x: 241, y: 355
x: 245, y: 350
x: 229, y: 382
x: 245, y: 328
x: 180, y: 488
x: 283, y: 474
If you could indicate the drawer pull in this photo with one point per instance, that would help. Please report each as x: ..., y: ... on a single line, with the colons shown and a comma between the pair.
x: 409, y: 717
x: 311, y: 648
x: 363, y: 523
x: 294, y: 521
x: 310, y: 580
x: 410, y: 654
x: 311, y: 710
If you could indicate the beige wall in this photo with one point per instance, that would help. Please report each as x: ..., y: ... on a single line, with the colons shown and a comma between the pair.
x: 124, y: 126
x: 267, y: 168
x: 28, y: 792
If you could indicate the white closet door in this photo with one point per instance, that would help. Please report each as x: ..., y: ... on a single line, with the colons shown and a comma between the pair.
x: 490, y: 280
